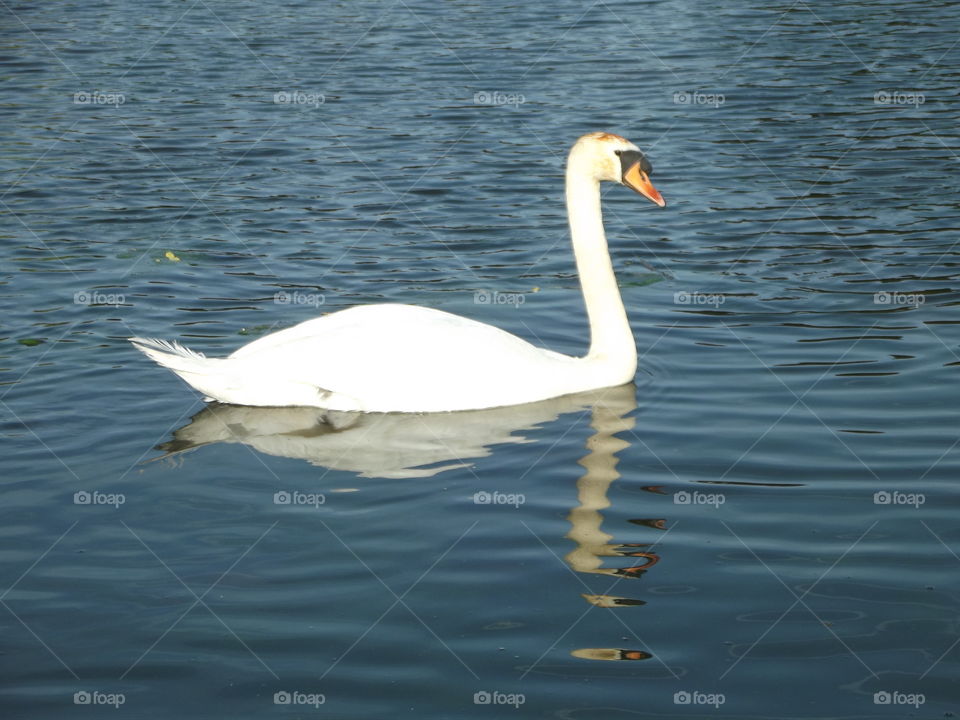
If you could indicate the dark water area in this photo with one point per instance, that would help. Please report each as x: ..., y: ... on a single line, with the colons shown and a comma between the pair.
x: 761, y: 526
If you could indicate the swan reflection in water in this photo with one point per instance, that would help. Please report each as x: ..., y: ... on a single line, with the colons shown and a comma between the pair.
x: 405, y: 445
x: 381, y: 445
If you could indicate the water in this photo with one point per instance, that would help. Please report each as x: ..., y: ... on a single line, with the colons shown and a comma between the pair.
x: 793, y: 306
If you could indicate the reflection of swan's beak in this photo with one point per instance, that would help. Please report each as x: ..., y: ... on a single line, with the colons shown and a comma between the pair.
x: 610, y: 654
x: 636, y: 179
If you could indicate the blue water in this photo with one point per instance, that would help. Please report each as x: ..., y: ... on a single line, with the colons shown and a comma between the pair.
x: 762, y: 526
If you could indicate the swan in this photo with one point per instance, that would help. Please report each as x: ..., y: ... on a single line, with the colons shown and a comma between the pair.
x: 405, y: 358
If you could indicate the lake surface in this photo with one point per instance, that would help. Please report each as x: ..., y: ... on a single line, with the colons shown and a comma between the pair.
x: 762, y: 526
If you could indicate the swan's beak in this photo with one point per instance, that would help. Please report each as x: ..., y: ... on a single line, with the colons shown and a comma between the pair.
x: 636, y: 179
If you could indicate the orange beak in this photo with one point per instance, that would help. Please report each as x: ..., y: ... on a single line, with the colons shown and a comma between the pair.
x: 636, y: 179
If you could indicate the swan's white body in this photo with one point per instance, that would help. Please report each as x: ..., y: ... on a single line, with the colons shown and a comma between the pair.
x: 403, y: 358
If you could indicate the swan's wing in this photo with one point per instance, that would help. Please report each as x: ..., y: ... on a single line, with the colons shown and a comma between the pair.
x: 392, y: 356
x: 371, y: 325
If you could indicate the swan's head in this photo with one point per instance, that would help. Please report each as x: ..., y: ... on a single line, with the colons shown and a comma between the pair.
x: 615, y: 159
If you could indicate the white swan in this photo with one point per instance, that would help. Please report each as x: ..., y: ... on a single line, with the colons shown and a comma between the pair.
x: 403, y: 358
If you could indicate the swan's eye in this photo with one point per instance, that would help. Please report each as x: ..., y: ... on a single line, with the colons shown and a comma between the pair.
x: 618, y: 152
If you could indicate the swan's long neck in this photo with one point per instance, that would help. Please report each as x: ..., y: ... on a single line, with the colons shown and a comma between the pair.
x: 611, y: 340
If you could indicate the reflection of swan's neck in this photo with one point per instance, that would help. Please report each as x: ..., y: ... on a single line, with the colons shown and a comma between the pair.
x: 600, y: 464
x: 610, y: 336
x: 586, y: 518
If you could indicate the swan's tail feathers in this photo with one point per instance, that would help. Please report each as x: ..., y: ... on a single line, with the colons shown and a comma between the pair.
x: 172, y: 355
x: 200, y: 372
